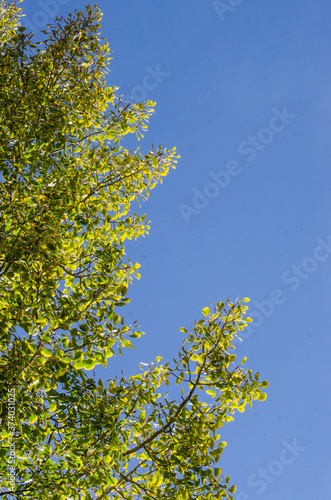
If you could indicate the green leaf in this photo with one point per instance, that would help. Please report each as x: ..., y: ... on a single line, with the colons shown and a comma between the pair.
x: 217, y: 471
x: 46, y: 352
x: 50, y: 245
x: 79, y: 365
x: 142, y: 416
x: 135, y: 335
x: 52, y: 407
x: 88, y: 364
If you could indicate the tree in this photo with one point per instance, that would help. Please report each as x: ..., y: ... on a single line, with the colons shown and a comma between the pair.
x: 67, y: 185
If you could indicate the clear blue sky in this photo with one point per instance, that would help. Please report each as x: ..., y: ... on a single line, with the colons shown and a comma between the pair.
x: 243, y: 91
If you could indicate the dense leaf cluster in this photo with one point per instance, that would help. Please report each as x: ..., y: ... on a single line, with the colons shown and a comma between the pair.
x: 67, y: 185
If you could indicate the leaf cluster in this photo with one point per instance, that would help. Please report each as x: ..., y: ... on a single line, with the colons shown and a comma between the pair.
x: 66, y: 191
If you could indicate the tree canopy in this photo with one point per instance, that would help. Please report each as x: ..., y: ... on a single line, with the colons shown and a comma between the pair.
x: 66, y: 193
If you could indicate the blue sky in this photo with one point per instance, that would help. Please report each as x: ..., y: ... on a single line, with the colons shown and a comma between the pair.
x: 248, y: 74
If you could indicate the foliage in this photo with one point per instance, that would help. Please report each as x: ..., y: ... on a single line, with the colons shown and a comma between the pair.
x: 66, y: 190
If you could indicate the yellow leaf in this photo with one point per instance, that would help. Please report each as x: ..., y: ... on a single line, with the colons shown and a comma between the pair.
x: 52, y: 406
x: 46, y: 352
